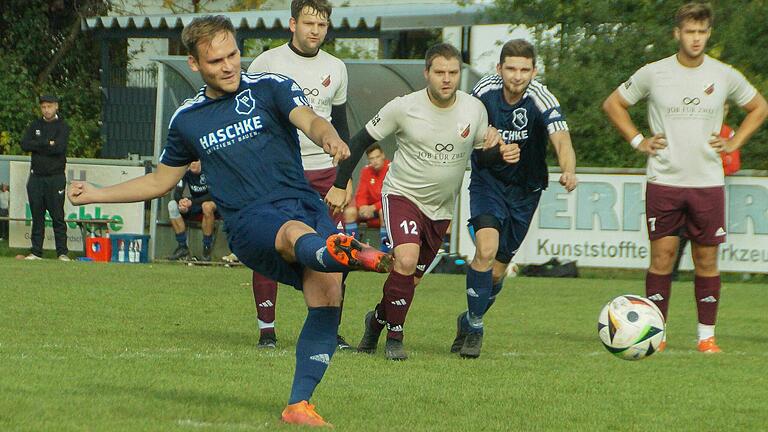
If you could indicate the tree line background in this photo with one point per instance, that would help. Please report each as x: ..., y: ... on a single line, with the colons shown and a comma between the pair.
x: 586, y: 48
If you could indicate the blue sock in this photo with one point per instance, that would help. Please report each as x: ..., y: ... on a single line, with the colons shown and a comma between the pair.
x: 385, y: 247
x: 350, y: 228
x: 207, y: 240
x: 181, y: 238
x: 310, y: 251
x: 314, y: 350
x: 494, y: 292
x: 479, y: 286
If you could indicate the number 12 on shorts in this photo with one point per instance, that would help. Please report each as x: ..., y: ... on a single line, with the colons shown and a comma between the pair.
x: 409, y: 227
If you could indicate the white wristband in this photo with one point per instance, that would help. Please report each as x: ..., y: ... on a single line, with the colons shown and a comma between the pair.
x: 636, y: 140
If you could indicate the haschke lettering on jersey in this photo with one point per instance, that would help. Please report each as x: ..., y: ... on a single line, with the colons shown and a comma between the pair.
x: 510, y: 136
x: 231, y: 134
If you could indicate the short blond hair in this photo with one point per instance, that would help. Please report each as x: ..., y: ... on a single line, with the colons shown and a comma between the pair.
x: 204, y: 29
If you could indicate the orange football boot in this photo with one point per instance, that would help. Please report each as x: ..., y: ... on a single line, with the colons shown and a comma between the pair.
x: 358, y: 256
x: 709, y: 346
x: 303, y: 413
x: 662, y: 346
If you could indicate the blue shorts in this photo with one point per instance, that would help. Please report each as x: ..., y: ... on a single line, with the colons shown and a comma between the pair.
x: 252, y: 231
x: 195, y: 213
x: 509, y: 209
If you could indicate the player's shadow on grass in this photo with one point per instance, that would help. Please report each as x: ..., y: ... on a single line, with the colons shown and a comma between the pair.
x: 221, y: 338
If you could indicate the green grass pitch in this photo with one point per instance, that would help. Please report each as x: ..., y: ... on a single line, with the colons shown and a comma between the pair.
x: 108, y: 347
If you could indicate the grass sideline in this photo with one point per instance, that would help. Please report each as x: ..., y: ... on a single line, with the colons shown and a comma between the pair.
x: 89, y: 346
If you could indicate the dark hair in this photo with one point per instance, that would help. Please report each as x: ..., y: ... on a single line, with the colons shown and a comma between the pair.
x: 204, y: 28
x: 373, y: 148
x: 444, y: 49
x: 322, y: 7
x: 694, y: 12
x: 48, y: 98
x: 518, y: 48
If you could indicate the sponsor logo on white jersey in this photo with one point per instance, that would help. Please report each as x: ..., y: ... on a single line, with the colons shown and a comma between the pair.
x: 322, y: 358
x: 656, y: 297
x: 400, y: 302
x: 708, y: 299
x: 720, y: 232
x: 472, y: 293
x: 266, y: 304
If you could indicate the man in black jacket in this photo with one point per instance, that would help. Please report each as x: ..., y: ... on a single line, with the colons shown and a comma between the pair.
x: 47, y: 138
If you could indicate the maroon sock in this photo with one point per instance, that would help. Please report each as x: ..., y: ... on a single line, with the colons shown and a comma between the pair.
x: 265, y: 295
x: 398, y: 294
x: 707, y: 291
x: 379, y: 316
x: 658, y: 289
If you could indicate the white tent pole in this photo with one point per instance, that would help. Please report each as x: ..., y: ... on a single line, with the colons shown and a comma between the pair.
x: 160, y: 97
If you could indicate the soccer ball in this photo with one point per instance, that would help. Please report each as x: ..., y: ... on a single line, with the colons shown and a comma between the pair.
x: 631, y: 327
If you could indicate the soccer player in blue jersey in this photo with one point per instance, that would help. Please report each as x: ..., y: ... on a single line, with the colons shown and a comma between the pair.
x: 504, y: 196
x: 243, y: 129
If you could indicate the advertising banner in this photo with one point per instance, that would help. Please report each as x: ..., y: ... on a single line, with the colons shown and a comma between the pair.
x: 127, y: 218
x: 602, y: 224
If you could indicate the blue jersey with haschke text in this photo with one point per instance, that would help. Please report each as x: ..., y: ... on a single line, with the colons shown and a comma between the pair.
x: 248, y: 147
x: 529, y: 122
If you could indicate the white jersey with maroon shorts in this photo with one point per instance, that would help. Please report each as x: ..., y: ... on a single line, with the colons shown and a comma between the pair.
x: 686, y: 105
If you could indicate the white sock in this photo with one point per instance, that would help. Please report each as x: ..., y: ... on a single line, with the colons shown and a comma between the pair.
x: 264, y: 325
x: 706, y: 331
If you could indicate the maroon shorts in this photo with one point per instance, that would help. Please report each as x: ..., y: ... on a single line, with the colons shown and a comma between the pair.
x: 407, y: 224
x: 321, y: 181
x: 701, y: 211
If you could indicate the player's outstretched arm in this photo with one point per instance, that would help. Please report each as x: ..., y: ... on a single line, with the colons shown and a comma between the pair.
x: 566, y: 158
x: 142, y: 188
x: 320, y: 131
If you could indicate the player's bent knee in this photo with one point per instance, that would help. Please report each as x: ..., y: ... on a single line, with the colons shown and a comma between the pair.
x: 209, y: 207
x: 350, y: 214
x: 406, y: 263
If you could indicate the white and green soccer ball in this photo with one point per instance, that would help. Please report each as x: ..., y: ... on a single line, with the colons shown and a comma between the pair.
x: 631, y: 327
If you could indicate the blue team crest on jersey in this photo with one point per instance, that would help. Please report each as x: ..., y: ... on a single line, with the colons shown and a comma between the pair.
x: 245, y: 102
x: 520, y: 118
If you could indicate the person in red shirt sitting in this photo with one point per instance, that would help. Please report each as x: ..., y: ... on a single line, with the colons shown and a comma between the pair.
x: 368, y: 196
